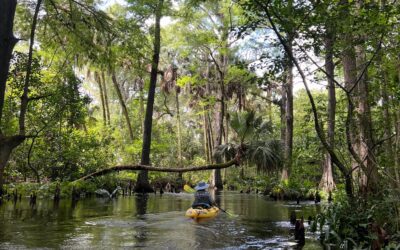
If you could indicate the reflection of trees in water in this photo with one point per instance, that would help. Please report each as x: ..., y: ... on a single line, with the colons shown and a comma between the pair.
x: 215, y: 195
x: 66, y: 226
x: 73, y: 203
x: 21, y: 223
x: 141, y: 209
x: 141, y: 204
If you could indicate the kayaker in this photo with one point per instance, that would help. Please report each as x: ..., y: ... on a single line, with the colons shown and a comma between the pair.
x: 202, y: 198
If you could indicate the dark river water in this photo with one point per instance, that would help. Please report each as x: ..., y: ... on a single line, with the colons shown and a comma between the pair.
x: 152, y: 222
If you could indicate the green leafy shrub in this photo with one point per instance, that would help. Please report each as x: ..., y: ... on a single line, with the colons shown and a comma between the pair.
x: 350, y: 223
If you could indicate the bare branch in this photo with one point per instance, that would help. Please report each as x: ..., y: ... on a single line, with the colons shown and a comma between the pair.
x: 273, y: 101
x: 35, y: 98
x: 160, y: 169
x: 24, y: 97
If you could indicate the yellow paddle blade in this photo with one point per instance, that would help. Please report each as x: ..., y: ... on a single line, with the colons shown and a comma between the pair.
x: 188, y: 189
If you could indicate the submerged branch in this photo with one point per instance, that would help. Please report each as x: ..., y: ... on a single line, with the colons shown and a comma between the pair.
x: 160, y: 169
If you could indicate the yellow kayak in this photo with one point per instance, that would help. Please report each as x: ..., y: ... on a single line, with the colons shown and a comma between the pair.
x: 202, y: 212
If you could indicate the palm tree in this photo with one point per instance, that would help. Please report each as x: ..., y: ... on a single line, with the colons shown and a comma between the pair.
x: 254, y: 144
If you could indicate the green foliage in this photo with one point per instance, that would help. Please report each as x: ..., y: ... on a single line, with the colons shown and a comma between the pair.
x: 68, y: 138
x: 253, y: 138
x: 84, y: 188
x: 351, y: 223
x: 189, y: 80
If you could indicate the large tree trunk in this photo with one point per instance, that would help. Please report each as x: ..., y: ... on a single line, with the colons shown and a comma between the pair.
x: 216, y: 178
x: 141, y: 110
x: 388, y: 127
x: 288, y: 105
x: 397, y: 146
x: 179, y: 134
x: 207, y: 122
x: 142, y: 184
x: 178, y: 125
x: 288, y: 138
x: 24, y: 97
x: 205, y: 137
x: 397, y: 137
x: 122, y: 102
x: 103, y: 106
x: 227, y: 122
x: 7, y: 43
x: 320, y: 132
x: 327, y: 183
x: 103, y: 79
x: 210, y: 137
x: 269, y: 105
x: 350, y: 78
x: 7, y: 145
x: 221, y: 66
x: 282, y: 108
x: 369, y: 182
x: 34, y: 170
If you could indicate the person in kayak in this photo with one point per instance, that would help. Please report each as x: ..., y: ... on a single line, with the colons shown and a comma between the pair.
x: 202, y: 198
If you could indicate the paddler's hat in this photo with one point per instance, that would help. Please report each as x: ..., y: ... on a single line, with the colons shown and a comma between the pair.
x: 201, y: 186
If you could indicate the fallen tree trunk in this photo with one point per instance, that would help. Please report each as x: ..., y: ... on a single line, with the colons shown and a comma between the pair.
x: 160, y: 169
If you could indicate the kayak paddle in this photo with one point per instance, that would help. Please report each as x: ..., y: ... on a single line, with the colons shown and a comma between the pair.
x: 229, y: 214
x: 189, y: 189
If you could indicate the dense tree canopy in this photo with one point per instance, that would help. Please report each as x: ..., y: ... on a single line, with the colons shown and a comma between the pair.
x: 298, y: 94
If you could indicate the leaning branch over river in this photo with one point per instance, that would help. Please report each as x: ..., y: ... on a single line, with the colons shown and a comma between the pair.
x: 160, y: 169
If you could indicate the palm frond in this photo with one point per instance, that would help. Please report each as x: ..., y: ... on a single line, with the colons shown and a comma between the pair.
x: 228, y: 150
x: 266, y: 155
x: 244, y: 124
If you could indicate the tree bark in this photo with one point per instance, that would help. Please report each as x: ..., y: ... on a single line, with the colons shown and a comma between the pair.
x: 327, y: 183
x: 7, y: 43
x: 397, y: 145
x: 221, y: 65
x: 7, y: 145
x: 370, y: 180
x: 210, y: 137
x: 318, y: 129
x: 34, y: 170
x: 179, y: 134
x: 178, y: 125
x: 216, y: 178
x: 269, y: 105
x: 24, y: 97
x: 160, y: 169
x: 287, y: 103
x: 388, y: 144
x: 288, y: 146
x: 205, y: 137
x: 103, y: 79
x: 282, y: 108
x: 350, y: 78
x: 103, y: 106
x: 397, y: 131
x: 141, y: 110
x: 142, y: 184
x: 122, y: 102
x: 227, y: 122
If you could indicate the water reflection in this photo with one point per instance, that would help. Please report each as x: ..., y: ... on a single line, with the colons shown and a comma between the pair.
x: 141, y: 231
x: 141, y: 204
x: 151, y: 221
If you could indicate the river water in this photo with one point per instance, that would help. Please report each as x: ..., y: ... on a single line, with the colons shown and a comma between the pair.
x: 152, y: 222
